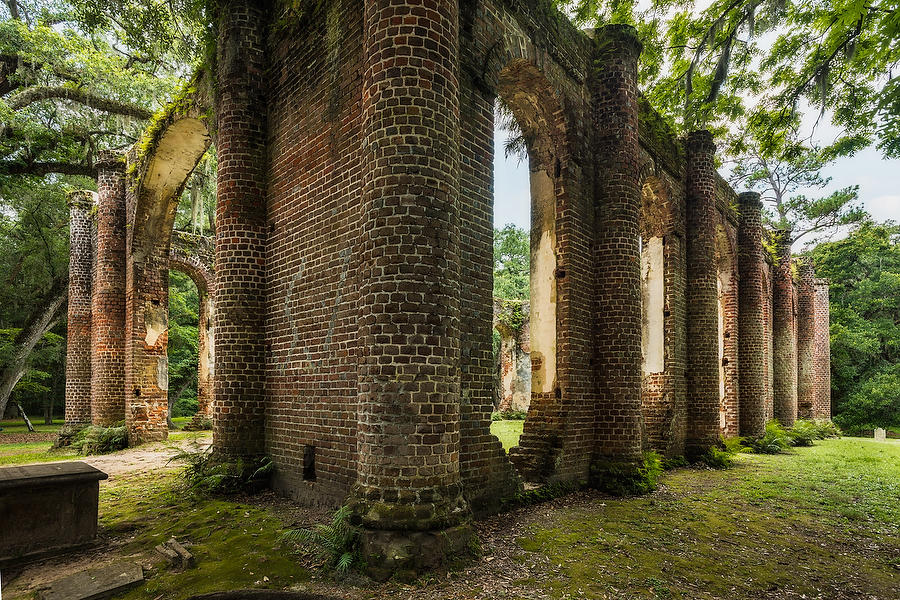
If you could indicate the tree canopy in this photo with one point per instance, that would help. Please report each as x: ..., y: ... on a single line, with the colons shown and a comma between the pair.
x: 864, y: 271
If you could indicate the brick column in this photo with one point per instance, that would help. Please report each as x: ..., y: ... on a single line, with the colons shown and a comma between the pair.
x: 78, y: 330
x: 701, y: 296
x: 806, y: 317
x: 408, y: 476
x: 108, y: 295
x: 240, y: 343
x: 617, y: 255
x: 822, y: 360
x: 751, y: 317
x: 783, y: 340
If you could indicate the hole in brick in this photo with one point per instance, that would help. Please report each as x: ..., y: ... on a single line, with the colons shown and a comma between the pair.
x: 724, y: 362
x: 667, y: 313
x: 727, y: 335
x: 309, y: 463
x: 154, y: 302
x: 560, y: 273
x: 137, y: 392
x: 557, y: 392
x: 557, y: 171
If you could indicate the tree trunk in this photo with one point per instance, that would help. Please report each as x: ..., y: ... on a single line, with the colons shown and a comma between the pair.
x: 39, y: 322
x: 25, y: 418
x: 13, y: 9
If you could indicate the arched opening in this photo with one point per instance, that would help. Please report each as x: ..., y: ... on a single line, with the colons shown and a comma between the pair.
x: 528, y: 133
x: 656, y: 397
x: 726, y: 283
x: 160, y: 178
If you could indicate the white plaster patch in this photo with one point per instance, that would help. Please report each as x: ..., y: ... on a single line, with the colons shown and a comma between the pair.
x: 653, y: 301
x: 543, y: 282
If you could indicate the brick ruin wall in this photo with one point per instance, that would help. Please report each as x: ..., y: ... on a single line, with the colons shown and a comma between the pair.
x: 353, y: 291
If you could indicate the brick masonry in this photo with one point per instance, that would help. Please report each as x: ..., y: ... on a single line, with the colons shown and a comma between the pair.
x: 108, y: 295
x: 703, y: 396
x: 822, y: 346
x: 806, y: 348
x: 784, y: 324
x: 78, y: 336
x: 753, y: 302
x: 353, y: 293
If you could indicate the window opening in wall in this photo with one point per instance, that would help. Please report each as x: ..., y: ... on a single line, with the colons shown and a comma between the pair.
x: 309, y: 463
x: 525, y: 266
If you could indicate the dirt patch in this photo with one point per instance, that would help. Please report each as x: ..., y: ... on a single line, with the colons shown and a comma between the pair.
x: 24, y: 438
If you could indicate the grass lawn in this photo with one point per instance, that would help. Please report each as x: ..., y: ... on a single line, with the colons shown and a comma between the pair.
x: 508, y: 432
x: 821, y: 522
x: 18, y: 426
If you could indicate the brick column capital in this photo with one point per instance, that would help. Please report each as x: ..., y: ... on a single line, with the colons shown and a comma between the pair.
x: 109, y: 160
x: 700, y: 142
x: 749, y: 201
x: 81, y: 199
x: 618, y: 39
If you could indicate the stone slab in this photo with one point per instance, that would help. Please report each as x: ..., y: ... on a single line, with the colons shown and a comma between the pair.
x: 94, y: 584
x: 880, y: 435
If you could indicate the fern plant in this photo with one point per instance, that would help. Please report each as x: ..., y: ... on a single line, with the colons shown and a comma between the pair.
x: 334, y: 542
x: 206, y: 473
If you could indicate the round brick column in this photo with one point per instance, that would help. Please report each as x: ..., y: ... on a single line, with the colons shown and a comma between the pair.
x: 751, y: 317
x: 240, y: 343
x: 784, y: 354
x: 617, y: 255
x: 702, y: 373
x: 409, y: 369
x: 78, y: 334
x: 108, y: 295
x: 806, y: 322
x: 822, y: 391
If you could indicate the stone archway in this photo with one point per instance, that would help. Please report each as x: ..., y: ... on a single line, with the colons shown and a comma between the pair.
x: 158, y: 169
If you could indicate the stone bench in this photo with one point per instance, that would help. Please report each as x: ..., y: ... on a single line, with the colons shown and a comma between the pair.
x: 47, y: 508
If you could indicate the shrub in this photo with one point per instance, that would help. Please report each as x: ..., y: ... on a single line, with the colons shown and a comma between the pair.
x: 803, y: 433
x: 734, y: 445
x: 674, y: 462
x: 826, y: 428
x: 509, y: 415
x: 717, y: 458
x: 208, y: 473
x: 336, y: 542
x: 774, y: 441
x: 93, y: 439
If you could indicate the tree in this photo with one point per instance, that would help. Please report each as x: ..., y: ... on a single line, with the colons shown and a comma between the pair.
x: 778, y: 177
x: 758, y: 62
x: 511, y: 263
x: 184, y: 304
x: 864, y: 270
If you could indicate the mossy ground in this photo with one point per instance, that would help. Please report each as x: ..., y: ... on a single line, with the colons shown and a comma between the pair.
x: 820, y: 522
x: 508, y: 432
x: 235, y: 542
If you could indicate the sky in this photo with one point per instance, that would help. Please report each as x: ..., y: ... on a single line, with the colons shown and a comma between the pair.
x: 878, y: 180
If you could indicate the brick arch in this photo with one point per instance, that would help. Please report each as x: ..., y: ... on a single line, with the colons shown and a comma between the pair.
x: 158, y: 168
x: 662, y: 323
x: 194, y: 256
x: 727, y: 278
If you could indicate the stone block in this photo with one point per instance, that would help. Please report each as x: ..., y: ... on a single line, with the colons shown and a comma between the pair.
x: 47, y: 507
x: 94, y: 584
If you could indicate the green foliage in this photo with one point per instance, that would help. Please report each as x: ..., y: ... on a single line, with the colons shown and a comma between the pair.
x: 509, y: 415
x: 774, y: 441
x: 335, y: 542
x: 184, y: 303
x: 207, y: 473
x: 803, y: 433
x: 540, y: 494
x: 674, y: 462
x: 93, y: 439
x: 511, y: 263
x: 717, y: 458
x: 864, y: 272
x: 626, y: 478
